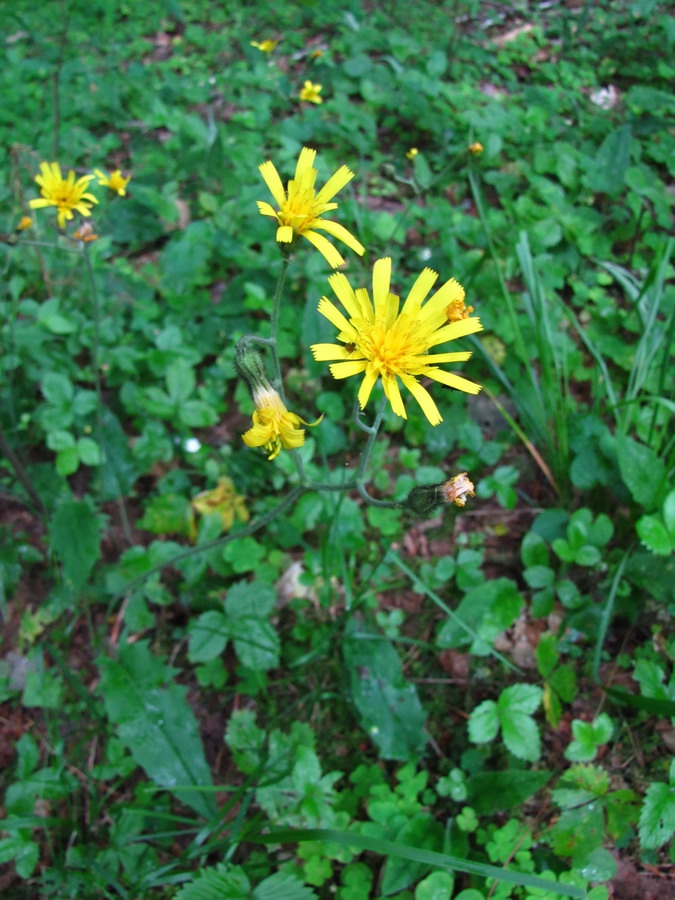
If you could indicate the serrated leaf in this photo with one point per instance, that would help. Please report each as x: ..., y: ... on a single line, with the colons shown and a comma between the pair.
x: 641, y: 469
x: 250, y: 598
x: 221, y: 882
x: 657, y: 816
x: 654, y: 535
x: 208, y: 637
x: 521, y: 736
x: 256, y: 643
x: 75, y: 536
x: 283, y: 886
x: 489, y: 791
x: 156, y: 723
x: 484, y: 722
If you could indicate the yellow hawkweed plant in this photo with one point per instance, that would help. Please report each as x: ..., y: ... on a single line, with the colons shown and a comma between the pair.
x: 115, y: 181
x: 300, y: 207
x: 274, y: 426
x: 380, y: 340
x: 66, y: 194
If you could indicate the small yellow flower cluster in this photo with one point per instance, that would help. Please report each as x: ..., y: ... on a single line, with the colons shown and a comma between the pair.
x: 71, y: 195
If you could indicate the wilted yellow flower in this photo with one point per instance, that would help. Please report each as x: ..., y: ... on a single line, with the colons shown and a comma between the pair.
x: 224, y: 500
x: 115, y: 181
x: 412, y: 153
x: 476, y: 148
x: 65, y: 194
x: 383, y: 342
x: 274, y: 426
x: 301, y: 206
x: 24, y: 223
x: 457, y: 489
x: 266, y: 46
x: 311, y: 92
x: 85, y: 233
x: 457, y: 309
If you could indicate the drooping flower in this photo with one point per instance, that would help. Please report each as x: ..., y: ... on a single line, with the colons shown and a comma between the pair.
x: 266, y: 46
x: 457, y: 489
x: 85, y: 233
x: 115, y: 181
x: 300, y: 207
x: 65, y: 194
x: 382, y: 341
x: 274, y: 426
x: 311, y: 92
x: 224, y: 500
x: 24, y: 223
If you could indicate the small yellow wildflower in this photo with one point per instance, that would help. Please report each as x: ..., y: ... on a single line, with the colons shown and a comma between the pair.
x: 316, y: 54
x: 384, y: 342
x: 476, y: 148
x: 65, y: 194
x: 457, y: 489
x: 311, y: 92
x: 115, y: 181
x: 412, y: 153
x: 266, y: 46
x: 24, y: 223
x: 224, y: 500
x: 274, y: 426
x: 301, y: 206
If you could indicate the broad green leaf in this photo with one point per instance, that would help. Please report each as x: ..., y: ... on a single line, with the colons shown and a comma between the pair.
x: 588, y: 736
x: 420, y: 831
x: 256, y: 642
x: 250, y: 598
x: 521, y: 736
x: 489, y: 791
x: 657, y: 817
x: 436, y: 886
x: 484, y: 722
x: 547, y: 654
x: 221, y: 882
x: 654, y: 535
x: 75, y: 536
x: 388, y: 705
x: 641, y: 470
x: 611, y: 161
x: 283, y: 886
x: 208, y: 636
x: 155, y: 722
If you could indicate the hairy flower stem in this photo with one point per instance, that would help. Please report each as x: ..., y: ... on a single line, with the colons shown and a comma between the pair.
x: 372, y: 432
x: 274, y: 320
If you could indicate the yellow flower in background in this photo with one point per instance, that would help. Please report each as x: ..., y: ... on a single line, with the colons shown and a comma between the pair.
x: 65, y: 194
x: 115, y: 181
x: 457, y: 489
x: 266, y: 46
x: 24, y: 223
x: 412, y: 153
x: 381, y: 341
x: 311, y: 92
x: 85, y: 233
x: 301, y: 206
x: 476, y: 148
x: 274, y: 426
x: 224, y: 500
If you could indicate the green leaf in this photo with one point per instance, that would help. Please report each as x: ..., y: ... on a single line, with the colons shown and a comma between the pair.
x: 75, y: 536
x: 484, y: 722
x: 283, y: 886
x: 611, y: 161
x: 657, y: 816
x: 641, y: 469
x: 437, y: 886
x: 654, y: 535
x: 489, y: 791
x: 256, y: 643
x: 155, y: 722
x: 420, y: 831
x: 388, y: 705
x: 222, y: 882
x: 547, y: 654
x: 250, y: 598
x: 208, y: 637
x: 588, y: 736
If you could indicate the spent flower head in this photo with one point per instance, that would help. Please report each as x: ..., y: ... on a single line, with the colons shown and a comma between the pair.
x: 457, y: 489
x: 301, y: 206
x: 311, y: 93
x: 66, y: 194
x: 115, y: 181
x: 383, y: 341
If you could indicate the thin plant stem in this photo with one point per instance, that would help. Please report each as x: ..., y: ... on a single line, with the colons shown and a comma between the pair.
x: 20, y: 472
x: 372, y: 432
x: 274, y: 320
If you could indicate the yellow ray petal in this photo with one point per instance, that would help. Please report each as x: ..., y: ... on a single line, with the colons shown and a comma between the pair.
x: 284, y: 234
x: 345, y: 294
x: 381, y: 282
x: 273, y: 182
x: 424, y: 283
x: 265, y: 209
x: 340, y: 232
x: 452, y: 380
x: 334, y: 184
x: 325, y: 248
x: 335, y: 317
x: 423, y: 397
x: 393, y: 393
x: 305, y: 161
x: 436, y: 358
x: 455, y: 330
x: 348, y: 368
x: 328, y: 352
x: 450, y: 292
x: 367, y: 384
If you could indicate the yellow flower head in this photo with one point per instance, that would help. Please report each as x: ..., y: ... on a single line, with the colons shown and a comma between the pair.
x: 24, y: 223
x: 476, y: 148
x: 274, y: 426
x: 115, y: 181
x: 311, y: 92
x: 266, y: 46
x: 224, y: 500
x: 412, y: 153
x: 65, y: 194
x: 457, y: 489
x: 301, y: 206
x: 384, y: 342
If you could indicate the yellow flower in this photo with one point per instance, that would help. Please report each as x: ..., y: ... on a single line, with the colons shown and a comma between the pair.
x: 222, y: 499
x: 383, y: 342
x: 115, y: 181
x: 311, y: 92
x: 65, y: 194
x: 457, y: 489
x: 24, y: 223
x: 476, y: 148
x: 274, y: 426
x: 412, y: 153
x: 301, y: 207
x: 266, y: 46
